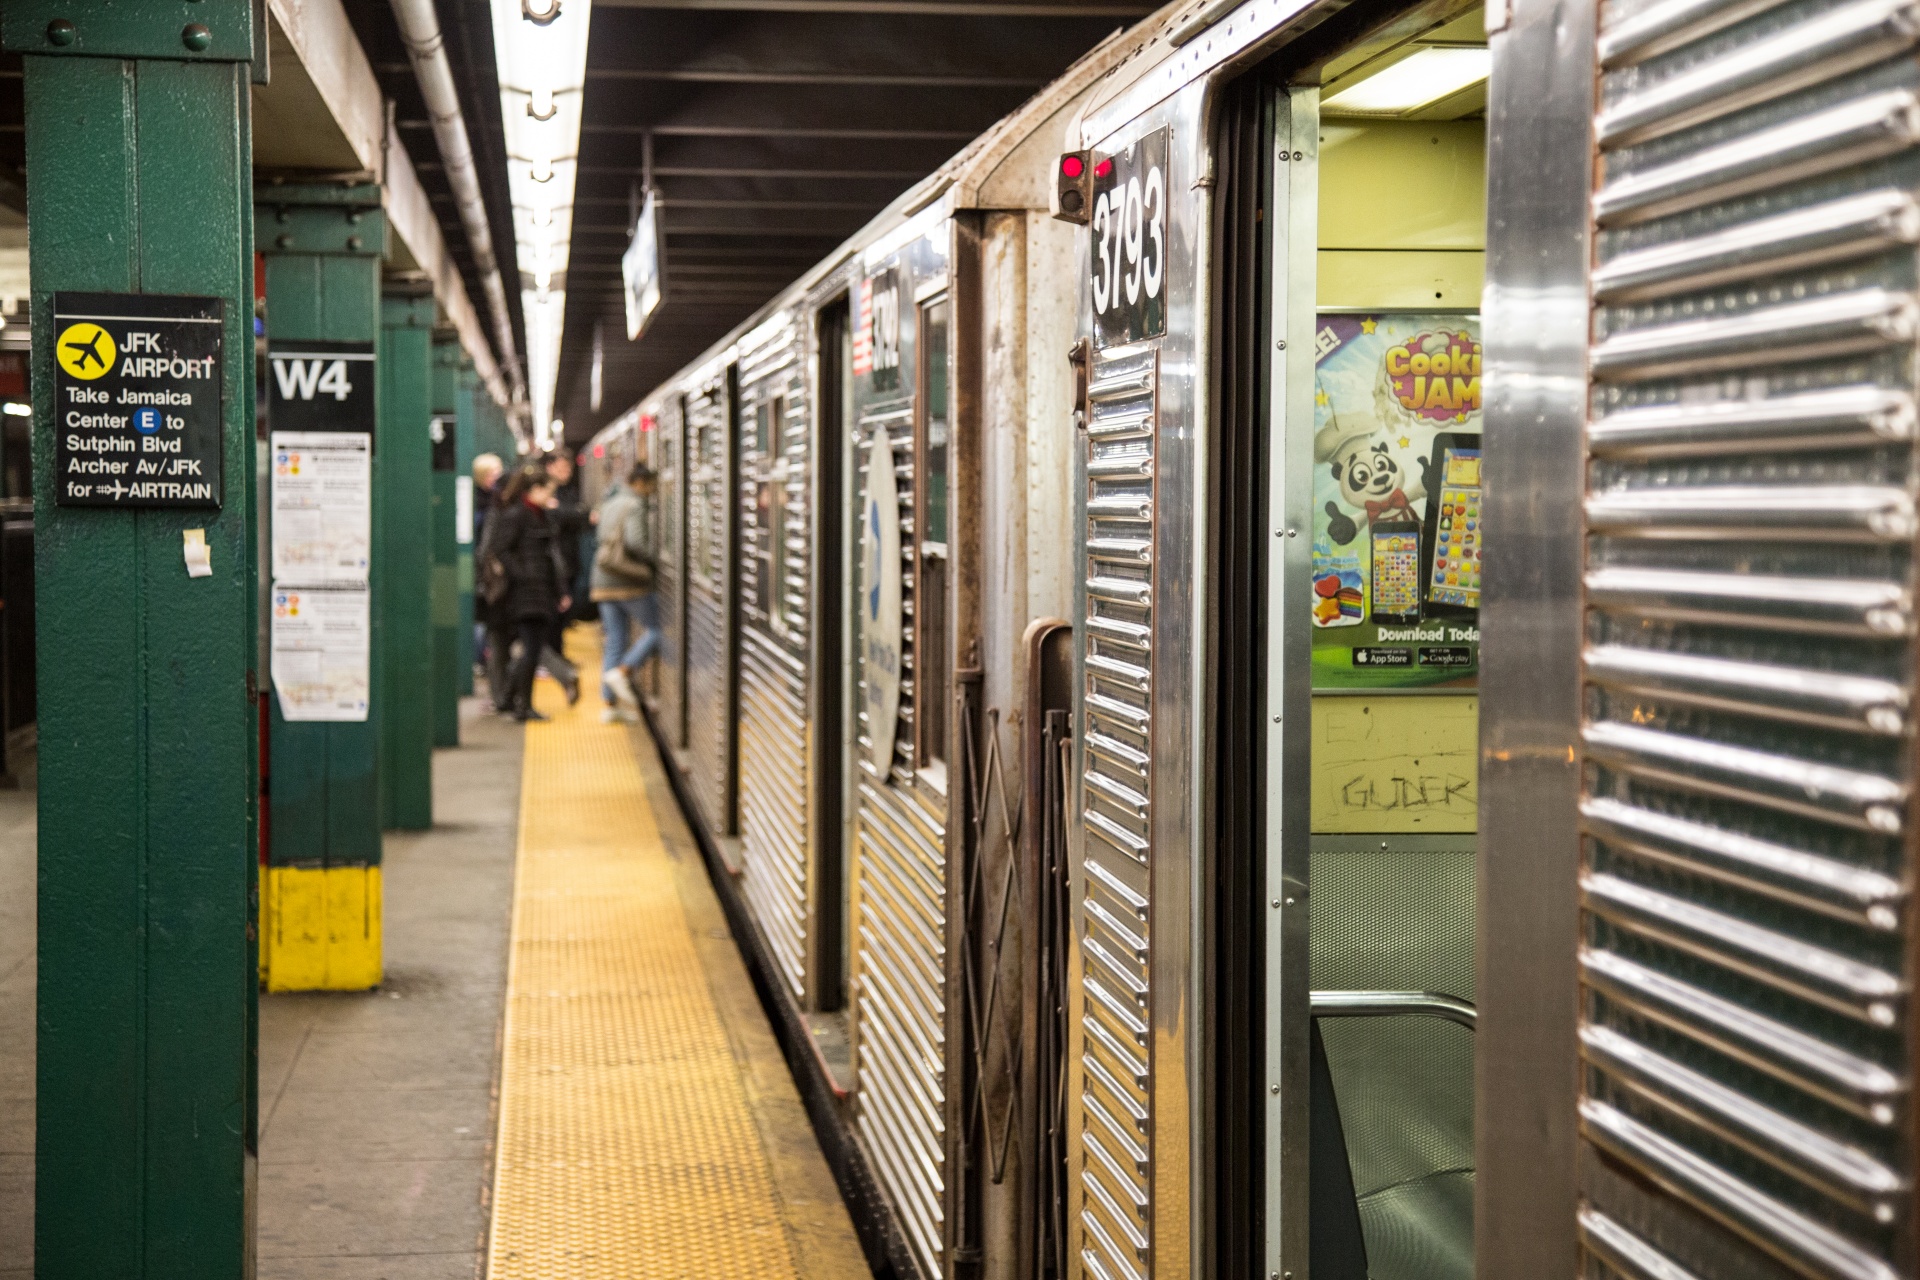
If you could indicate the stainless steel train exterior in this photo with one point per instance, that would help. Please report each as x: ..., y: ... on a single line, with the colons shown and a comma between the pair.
x: 986, y: 565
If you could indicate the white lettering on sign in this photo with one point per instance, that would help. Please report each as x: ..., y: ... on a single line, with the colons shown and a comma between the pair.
x: 301, y: 379
x: 165, y: 367
x: 1131, y: 223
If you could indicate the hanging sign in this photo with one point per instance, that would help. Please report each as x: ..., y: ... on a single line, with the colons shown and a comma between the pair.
x: 1396, y: 501
x: 137, y: 395
x: 640, y: 270
x: 880, y: 601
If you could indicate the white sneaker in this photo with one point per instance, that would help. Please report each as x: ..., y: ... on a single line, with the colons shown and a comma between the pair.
x: 628, y: 717
x: 616, y: 680
x: 610, y: 715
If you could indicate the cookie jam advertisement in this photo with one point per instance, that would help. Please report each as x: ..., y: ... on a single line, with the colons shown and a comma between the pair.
x: 1396, y: 501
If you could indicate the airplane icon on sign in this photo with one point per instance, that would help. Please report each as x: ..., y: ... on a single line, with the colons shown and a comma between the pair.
x: 87, y: 354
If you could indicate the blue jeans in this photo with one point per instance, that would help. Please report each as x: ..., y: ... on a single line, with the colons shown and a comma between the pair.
x: 632, y: 635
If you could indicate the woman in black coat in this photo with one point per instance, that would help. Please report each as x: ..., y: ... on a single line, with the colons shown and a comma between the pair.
x: 520, y: 540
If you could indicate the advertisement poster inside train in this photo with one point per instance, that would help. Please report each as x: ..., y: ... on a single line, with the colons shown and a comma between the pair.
x: 1396, y: 501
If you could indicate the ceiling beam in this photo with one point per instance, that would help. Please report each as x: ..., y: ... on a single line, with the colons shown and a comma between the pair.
x: 853, y: 79
x: 963, y: 8
x: 635, y: 171
x: 750, y: 130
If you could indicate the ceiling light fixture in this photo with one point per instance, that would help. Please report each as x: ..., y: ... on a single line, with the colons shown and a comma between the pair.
x: 1412, y: 83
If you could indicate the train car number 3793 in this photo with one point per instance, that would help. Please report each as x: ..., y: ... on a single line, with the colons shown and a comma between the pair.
x: 1129, y: 258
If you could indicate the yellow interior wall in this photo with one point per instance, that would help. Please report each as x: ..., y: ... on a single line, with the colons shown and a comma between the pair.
x: 1403, y: 213
x: 1403, y: 763
x: 1403, y: 217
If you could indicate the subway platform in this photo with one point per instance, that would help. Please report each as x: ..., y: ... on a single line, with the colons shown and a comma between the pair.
x: 566, y: 1072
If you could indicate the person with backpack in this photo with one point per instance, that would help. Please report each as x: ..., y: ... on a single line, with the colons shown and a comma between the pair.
x: 520, y: 575
x: 622, y: 586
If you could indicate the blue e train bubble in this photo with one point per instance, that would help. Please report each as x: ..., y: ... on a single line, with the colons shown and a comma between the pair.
x: 147, y: 420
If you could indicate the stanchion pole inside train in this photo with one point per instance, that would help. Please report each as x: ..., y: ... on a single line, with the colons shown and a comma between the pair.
x: 403, y: 557
x: 139, y: 191
x: 320, y: 904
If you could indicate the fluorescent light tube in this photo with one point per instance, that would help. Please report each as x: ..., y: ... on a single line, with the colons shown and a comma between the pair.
x: 1412, y: 83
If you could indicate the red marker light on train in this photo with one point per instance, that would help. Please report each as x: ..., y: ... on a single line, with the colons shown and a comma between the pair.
x: 599, y: 451
x: 1103, y: 169
x: 1072, y: 198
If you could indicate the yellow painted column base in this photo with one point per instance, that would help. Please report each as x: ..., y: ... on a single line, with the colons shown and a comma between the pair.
x: 321, y: 928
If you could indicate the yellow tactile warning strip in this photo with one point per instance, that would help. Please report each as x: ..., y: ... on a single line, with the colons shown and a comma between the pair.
x: 632, y: 1139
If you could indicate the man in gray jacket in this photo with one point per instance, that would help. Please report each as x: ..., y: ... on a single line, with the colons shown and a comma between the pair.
x: 622, y: 586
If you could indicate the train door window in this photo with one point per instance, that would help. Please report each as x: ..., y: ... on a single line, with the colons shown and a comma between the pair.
x: 770, y: 511
x: 934, y: 676
x: 1394, y: 128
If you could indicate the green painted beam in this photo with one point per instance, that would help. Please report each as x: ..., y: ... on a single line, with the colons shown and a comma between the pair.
x: 139, y: 180
x: 446, y: 548
x: 321, y: 247
x: 403, y: 561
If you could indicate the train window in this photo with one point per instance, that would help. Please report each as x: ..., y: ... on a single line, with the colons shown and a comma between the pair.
x: 934, y: 677
x: 771, y: 504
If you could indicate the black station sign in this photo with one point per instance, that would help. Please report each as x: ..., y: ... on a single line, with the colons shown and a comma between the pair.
x: 137, y: 393
x: 320, y: 386
x: 1129, y: 258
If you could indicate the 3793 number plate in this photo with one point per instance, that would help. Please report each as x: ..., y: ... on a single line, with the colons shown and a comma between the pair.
x: 1129, y: 258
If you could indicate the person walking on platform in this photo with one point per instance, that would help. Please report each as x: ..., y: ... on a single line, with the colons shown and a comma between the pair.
x: 524, y: 582
x: 570, y: 525
x: 622, y: 586
x: 487, y: 471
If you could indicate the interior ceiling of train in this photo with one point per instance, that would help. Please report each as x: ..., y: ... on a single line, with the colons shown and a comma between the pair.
x: 772, y: 130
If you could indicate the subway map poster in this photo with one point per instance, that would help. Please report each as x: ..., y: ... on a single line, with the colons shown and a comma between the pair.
x: 1397, y: 501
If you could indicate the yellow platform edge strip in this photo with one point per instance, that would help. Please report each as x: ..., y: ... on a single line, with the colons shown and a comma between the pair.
x: 626, y: 1147
x: 320, y: 928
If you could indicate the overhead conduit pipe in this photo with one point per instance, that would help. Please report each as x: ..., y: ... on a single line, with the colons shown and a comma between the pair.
x: 426, y: 49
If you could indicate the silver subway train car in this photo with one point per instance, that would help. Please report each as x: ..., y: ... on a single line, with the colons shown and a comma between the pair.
x: 1300, y: 664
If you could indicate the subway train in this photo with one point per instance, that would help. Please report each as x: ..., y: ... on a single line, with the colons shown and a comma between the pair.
x: 1073, y: 662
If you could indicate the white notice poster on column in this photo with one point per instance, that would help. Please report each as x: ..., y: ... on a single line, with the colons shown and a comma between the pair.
x: 322, y: 506
x: 320, y: 651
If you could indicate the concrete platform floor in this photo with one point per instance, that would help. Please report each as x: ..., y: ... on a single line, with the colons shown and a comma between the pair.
x: 378, y: 1109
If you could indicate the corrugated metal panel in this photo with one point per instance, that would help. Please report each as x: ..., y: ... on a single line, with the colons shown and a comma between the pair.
x: 1115, y: 917
x: 1747, y: 1024
x: 709, y: 609
x: 775, y: 760
x: 899, y: 922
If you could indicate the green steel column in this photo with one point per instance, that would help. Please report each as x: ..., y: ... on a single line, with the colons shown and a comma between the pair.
x: 492, y: 434
x: 446, y: 567
x: 139, y: 180
x: 463, y: 455
x: 321, y: 907
x: 403, y: 561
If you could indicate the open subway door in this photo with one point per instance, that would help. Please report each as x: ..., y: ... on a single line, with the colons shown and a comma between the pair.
x: 1701, y: 462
